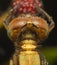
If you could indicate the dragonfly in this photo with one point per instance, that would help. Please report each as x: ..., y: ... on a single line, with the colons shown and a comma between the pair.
x: 28, y: 25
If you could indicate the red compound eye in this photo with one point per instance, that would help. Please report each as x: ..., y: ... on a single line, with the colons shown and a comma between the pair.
x: 28, y: 6
x: 29, y: 9
x: 20, y: 9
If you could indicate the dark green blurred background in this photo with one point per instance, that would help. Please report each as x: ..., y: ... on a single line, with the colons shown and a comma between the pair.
x: 49, y: 48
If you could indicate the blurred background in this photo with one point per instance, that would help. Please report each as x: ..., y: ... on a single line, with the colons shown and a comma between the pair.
x: 49, y: 47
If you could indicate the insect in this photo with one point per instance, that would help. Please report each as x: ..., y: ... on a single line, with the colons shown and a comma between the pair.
x: 28, y: 25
